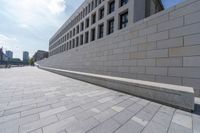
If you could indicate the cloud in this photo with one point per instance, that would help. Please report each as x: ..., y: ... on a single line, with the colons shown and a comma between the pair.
x: 10, y: 43
x: 56, y: 6
x: 28, y: 24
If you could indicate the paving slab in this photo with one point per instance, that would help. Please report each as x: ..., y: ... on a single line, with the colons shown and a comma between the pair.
x: 36, y: 101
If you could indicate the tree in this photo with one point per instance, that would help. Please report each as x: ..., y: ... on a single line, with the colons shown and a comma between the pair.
x: 31, y: 62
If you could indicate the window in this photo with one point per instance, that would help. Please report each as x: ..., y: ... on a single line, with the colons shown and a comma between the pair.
x: 82, y: 26
x: 89, y: 7
x: 101, y: 13
x: 77, y: 41
x: 93, y: 18
x: 111, y: 7
x: 87, y: 22
x: 77, y: 29
x: 74, y: 32
x: 96, y: 3
x: 123, y: 2
x: 101, y: 30
x: 123, y: 20
x: 86, y: 37
x: 70, y: 44
x: 70, y: 34
x: 92, y: 5
x: 67, y: 46
x: 73, y: 43
x: 93, y: 34
x: 67, y: 36
x: 110, y: 26
x: 99, y: 2
x: 81, y: 40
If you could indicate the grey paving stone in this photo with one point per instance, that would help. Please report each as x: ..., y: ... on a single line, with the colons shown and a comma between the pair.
x: 196, y: 123
x: 108, y: 126
x: 153, y: 127
x: 167, y: 109
x: 182, y: 120
x: 135, y: 108
x: 105, y: 115
x: 19, y: 109
x: 69, y: 113
x: 130, y: 127
x: 162, y: 119
x: 83, y: 126
x: 52, y: 112
x: 85, y: 115
x: 123, y: 116
x: 174, y: 128
x: 36, y: 131
x: 9, y: 117
x: 37, y: 124
x: 35, y: 110
x: 60, y: 125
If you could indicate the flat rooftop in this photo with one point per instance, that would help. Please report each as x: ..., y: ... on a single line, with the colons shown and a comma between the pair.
x: 36, y: 101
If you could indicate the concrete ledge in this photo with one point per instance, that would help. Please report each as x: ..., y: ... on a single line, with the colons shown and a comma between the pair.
x: 173, y: 95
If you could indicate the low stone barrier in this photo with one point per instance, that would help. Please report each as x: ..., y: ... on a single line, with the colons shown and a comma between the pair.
x: 172, y: 95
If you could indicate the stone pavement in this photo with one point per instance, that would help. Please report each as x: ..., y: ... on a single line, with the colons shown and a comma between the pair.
x: 37, y: 101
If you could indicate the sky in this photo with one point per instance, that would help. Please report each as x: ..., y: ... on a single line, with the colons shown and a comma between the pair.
x: 27, y: 25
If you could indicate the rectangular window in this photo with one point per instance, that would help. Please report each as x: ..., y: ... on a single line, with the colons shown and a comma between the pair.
x: 123, y: 20
x: 73, y: 43
x: 70, y: 44
x: 81, y: 40
x: 77, y: 41
x: 87, y: 23
x: 92, y: 5
x: 110, y: 26
x: 101, y: 13
x: 93, y: 18
x: 77, y: 29
x: 123, y: 2
x: 82, y: 26
x: 89, y: 7
x: 93, y: 34
x: 101, y: 27
x: 96, y: 4
x: 74, y: 32
x: 67, y: 46
x: 99, y: 2
x: 70, y: 34
x: 111, y: 7
x: 86, y: 37
x: 67, y: 36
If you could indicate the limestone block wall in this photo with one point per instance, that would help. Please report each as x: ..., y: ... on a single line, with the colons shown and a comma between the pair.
x: 164, y: 48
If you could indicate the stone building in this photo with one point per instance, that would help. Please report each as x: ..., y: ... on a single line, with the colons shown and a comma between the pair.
x: 98, y: 18
x: 131, y: 39
x: 39, y: 55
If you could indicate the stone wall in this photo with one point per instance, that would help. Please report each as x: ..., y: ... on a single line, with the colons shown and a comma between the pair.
x: 164, y: 48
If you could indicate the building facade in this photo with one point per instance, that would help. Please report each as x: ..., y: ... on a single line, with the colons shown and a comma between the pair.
x: 95, y: 19
x: 39, y: 55
x: 163, y: 47
x: 25, y: 56
x: 1, y: 54
x: 9, y: 54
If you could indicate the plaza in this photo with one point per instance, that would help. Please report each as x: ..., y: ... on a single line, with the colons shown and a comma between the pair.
x: 36, y: 101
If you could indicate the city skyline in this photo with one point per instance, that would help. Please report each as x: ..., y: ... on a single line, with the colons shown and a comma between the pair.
x: 21, y: 30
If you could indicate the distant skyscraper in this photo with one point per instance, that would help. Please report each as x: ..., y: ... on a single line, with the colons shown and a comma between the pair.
x: 25, y: 56
x: 1, y: 54
x: 9, y: 54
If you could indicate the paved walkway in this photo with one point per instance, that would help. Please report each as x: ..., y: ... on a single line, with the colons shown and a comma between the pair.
x: 37, y: 101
